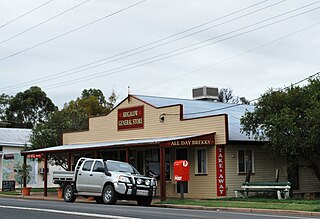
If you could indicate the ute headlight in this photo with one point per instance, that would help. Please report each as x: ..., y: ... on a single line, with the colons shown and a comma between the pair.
x: 139, y: 181
x: 124, y: 179
x: 147, y: 182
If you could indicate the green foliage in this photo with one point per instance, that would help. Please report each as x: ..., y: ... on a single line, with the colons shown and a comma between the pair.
x: 73, y: 117
x: 23, y: 170
x: 97, y: 93
x: 290, y: 121
x: 28, y: 108
x: 4, y: 105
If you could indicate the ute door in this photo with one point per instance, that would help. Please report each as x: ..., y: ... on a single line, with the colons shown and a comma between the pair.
x: 96, y: 177
x: 83, y: 176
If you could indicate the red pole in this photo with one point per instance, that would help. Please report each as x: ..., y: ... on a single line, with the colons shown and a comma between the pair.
x: 24, y: 177
x: 162, y: 174
x: 45, y: 174
x: 127, y: 155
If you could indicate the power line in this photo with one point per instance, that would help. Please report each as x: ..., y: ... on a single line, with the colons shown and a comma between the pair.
x: 236, y: 105
x: 17, y: 18
x: 232, y: 57
x: 57, y: 75
x: 43, y: 22
x: 137, y: 64
x: 71, y: 31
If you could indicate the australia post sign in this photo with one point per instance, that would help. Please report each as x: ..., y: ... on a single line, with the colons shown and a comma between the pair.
x: 131, y: 118
x: 181, y: 170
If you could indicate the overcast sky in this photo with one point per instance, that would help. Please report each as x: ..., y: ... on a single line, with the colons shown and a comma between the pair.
x: 157, y: 47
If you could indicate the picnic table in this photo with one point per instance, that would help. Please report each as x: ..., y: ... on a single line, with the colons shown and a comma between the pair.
x: 281, y: 188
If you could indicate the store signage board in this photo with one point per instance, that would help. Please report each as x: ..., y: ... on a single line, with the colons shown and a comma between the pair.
x: 34, y: 156
x: 221, y: 171
x: 205, y: 140
x: 8, y: 185
x: 131, y: 118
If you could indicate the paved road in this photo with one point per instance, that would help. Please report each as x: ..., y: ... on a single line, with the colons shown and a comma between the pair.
x: 34, y: 209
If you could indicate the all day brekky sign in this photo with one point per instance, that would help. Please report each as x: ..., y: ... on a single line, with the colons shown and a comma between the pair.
x: 131, y: 118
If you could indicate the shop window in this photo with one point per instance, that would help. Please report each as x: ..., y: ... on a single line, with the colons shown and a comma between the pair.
x: 109, y: 155
x: 245, y: 161
x: 167, y: 158
x: 152, y: 162
x: 182, y: 154
x: 123, y: 155
x: 201, y: 161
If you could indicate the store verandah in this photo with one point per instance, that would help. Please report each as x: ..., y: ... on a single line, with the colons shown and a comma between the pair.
x: 148, y: 156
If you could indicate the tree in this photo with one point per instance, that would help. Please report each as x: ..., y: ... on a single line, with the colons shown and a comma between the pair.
x: 73, y: 117
x: 226, y: 96
x: 30, y: 107
x: 94, y: 93
x: 4, y: 105
x: 23, y: 171
x: 289, y: 121
x: 94, y: 102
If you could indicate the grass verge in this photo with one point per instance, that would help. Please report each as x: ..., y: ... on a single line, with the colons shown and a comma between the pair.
x: 257, y: 203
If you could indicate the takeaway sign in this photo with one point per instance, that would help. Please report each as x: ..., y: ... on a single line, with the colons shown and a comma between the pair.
x: 221, y: 171
x: 131, y: 118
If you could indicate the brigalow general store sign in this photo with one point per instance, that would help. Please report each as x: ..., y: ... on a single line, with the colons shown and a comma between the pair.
x: 131, y: 118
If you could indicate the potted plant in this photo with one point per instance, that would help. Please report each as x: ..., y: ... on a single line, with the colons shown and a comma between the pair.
x: 60, y: 190
x: 23, y: 171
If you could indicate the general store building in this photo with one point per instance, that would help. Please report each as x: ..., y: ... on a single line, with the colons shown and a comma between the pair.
x: 152, y: 132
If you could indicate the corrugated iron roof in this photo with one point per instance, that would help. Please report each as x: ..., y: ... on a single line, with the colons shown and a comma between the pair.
x: 200, y: 108
x: 15, y: 137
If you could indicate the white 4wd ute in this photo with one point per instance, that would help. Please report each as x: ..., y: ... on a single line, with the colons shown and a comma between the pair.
x: 106, y: 181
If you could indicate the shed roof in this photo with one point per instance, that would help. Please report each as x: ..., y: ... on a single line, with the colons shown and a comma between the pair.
x: 15, y: 137
x: 201, y: 108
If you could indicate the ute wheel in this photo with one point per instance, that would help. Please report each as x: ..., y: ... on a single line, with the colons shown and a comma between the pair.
x: 68, y: 195
x: 144, y: 201
x: 99, y: 200
x: 109, y: 195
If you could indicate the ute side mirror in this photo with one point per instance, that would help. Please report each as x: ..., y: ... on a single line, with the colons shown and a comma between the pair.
x: 108, y: 173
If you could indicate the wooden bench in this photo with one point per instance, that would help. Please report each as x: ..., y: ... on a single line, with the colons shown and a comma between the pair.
x: 278, y: 187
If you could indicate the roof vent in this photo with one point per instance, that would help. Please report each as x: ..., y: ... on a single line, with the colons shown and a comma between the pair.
x: 205, y: 93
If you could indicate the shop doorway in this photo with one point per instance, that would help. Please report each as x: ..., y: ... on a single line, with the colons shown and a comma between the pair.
x: 140, y: 161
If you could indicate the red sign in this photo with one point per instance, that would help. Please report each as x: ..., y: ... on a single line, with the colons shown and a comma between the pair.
x: 221, y: 171
x: 203, y: 140
x: 181, y: 170
x: 131, y: 118
x: 34, y: 156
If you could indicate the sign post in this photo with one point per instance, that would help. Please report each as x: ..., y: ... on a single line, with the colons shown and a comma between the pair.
x: 181, y: 170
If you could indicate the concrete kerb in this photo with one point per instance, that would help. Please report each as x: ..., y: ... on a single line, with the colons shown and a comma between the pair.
x: 245, y: 210
x: 53, y: 197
